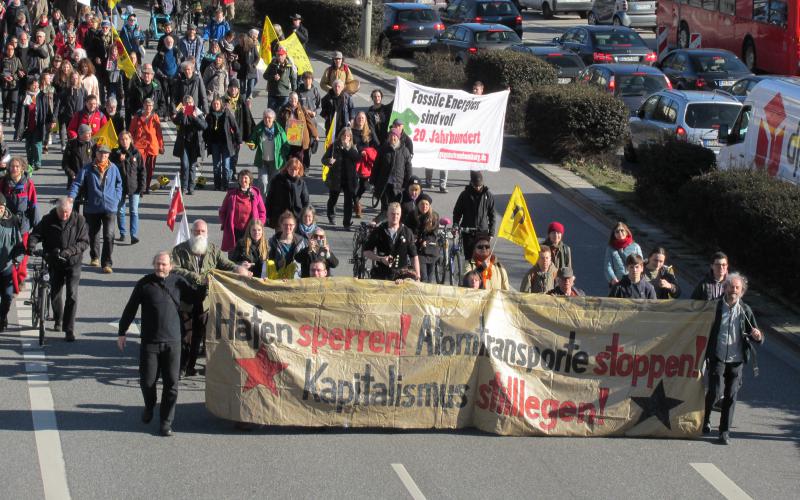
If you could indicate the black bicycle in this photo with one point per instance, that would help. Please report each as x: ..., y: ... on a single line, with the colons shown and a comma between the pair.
x: 449, y: 263
x: 358, y: 260
x: 40, y: 294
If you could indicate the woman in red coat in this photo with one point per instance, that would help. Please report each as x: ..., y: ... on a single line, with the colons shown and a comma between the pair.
x: 241, y: 205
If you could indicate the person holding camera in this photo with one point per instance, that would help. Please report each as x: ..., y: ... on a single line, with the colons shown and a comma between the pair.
x: 281, y: 76
x: 392, y: 247
x: 64, y: 236
x: 317, y: 249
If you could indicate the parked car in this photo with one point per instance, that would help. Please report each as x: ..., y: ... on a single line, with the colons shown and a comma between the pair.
x: 463, y: 40
x: 408, y: 26
x: 703, y: 69
x: 630, y: 13
x: 691, y: 116
x: 550, y: 7
x: 606, y: 44
x: 566, y: 62
x: 483, y: 11
x: 631, y: 83
x: 743, y: 86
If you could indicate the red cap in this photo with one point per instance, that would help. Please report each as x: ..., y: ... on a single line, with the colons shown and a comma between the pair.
x: 555, y: 226
x: 281, y: 50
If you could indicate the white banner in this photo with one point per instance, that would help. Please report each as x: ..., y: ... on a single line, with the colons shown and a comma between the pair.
x: 451, y: 129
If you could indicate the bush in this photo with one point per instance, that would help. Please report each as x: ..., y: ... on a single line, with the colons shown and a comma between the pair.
x: 754, y: 218
x: 575, y: 121
x: 501, y: 69
x: 439, y: 70
x: 664, y: 168
x: 332, y: 24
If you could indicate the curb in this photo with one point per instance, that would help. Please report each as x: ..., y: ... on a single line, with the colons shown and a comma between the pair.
x: 358, y: 67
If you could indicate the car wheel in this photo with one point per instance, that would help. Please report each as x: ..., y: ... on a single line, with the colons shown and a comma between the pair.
x: 547, y: 12
x: 629, y: 153
x: 749, y: 54
x: 683, y: 36
x: 591, y: 19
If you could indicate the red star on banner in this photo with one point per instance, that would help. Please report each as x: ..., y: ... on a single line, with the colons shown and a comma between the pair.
x: 261, y: 370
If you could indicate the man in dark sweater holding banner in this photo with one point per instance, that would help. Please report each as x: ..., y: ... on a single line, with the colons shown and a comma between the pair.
x: 159, y: 294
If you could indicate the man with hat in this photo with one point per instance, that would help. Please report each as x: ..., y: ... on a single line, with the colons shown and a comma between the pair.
x: 298, y: 29
x: 399, y: 126
x: 146, y: 87
x: 281, y: 78
x: 10, y: 250
x: 102, y: 183
x: 338, y: 70
x: 191, y: 46
x: 474, y: 211
x: 565, y: 284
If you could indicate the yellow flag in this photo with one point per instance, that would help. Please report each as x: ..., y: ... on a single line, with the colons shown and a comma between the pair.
x: 296, y: 52
x: 113, y: 3
x: 284, y: 273
x: 106, y: 135
x: 124, y: 61
x: 268, y: 35
x: 517, y: 226
x: 328, y: 141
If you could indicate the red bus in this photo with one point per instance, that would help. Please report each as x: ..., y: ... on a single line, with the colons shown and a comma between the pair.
x: 763, y: 33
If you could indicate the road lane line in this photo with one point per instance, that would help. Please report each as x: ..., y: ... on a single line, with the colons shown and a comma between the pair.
x: 45, y: 426
x: 409, y: 483
x: 720, y: 481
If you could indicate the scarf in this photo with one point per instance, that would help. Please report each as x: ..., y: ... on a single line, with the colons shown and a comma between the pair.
x: 487, y: 273
x: 30, y: 97
x: 102, y: 166
x: 620, y: 244
x: 269, y: 132
x: 233, y: 102
x: 307, y: 230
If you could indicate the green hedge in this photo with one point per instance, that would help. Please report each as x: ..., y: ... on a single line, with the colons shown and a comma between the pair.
x: 664, y: 168
x: 752, y: 217
x: 332, y: 24
x: 439, y: 70
x: 575, y: 121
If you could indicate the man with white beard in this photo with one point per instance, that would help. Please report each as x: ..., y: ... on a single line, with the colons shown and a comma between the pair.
x: 194, y: 259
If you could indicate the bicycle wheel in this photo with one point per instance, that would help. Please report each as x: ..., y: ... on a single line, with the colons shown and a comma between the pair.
x: 455, y: 268
x: 439, y: 269
x: 41, y: 311
x: 34, y: 305
x: 362, y: 268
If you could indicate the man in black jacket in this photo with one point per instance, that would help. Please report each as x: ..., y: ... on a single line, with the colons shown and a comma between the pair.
x: 77, y: 153
x: 142, y: 88
x: 159, y: 294
x: 712, y: 286
x: 729, y: 349
x: 64, y: 236
x: 298, y: 29
x: 189, y: 83
x: 392, y: 247
x: 474, y: 210
x: 392, y: 171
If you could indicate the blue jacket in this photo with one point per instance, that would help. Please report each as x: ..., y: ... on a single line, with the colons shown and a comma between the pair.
x: 215, y: 30
x: 102, y: 195
x: 132, y: 39
x: 615, y: 261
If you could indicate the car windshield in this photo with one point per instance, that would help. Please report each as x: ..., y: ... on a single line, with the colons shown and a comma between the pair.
x: 711, y: 115
x: 416, y: 15
x: 496, y: 9
x: 496, y: 36
x: 615, y: 39
x: 564, y: 61
x: 629, y: 85
x: 717, y: 63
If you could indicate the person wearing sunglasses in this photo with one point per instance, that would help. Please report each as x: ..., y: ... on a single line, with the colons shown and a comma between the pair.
x: 492, y: 272
x: 318, y: 249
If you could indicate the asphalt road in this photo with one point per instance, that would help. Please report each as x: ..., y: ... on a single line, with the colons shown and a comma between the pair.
x: 108, y: 453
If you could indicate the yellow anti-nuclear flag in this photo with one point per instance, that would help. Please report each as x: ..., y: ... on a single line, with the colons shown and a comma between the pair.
x: 517, y: 226
x: 112, y: 3
x: 296, y: 52
x: 107, y: 135
x: 268, y: 35
x: 328, y: 141
x: 124, y: 60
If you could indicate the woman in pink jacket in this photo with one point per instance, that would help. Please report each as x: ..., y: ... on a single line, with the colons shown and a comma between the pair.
x: 241, y: 204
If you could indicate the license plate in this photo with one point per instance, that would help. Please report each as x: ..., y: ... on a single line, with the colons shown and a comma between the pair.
x: 725, y: 83
x: 564, y: 80
x: 628, y: 58
x: 711, y: 143
x: 420, y: 42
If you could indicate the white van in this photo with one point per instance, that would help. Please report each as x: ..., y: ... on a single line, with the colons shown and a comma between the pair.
x: 550, y: 7
x: 766, y: 134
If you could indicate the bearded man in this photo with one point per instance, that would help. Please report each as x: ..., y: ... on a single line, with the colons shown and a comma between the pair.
x: 194, y: 259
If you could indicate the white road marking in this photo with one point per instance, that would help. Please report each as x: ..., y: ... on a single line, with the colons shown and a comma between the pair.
x: 134, y: 328
x: 409, y: 483
x: 45, y: 426
x: 722, y: 483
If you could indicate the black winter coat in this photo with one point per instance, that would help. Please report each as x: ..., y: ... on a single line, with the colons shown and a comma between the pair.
x: 71, y: 238
x: 378, y: 119
x: 189, y: 135
x: 194, y: 87
x: 244, y: 118
x: 239, y: 255
x: 67, y: 102
x: 285, y: 193
x: 342, y: 175
x: 138, y: 91
x: 131, y: 168
x: 222, y: 129
x: 475, y: 209
x: 708, y: 288
x: 76, y: 155
x: 392, y: 169
x: 160, y: 300
x: 44, y: 117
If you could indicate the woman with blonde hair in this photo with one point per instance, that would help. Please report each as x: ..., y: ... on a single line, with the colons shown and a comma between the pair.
x: 253, y: 248
x: 366, y: 141
x: 88, y: 80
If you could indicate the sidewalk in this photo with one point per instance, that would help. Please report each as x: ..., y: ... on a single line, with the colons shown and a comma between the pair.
x: 777, y: 317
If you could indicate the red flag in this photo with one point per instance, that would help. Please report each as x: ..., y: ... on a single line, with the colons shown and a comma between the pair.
x: 175, y: 208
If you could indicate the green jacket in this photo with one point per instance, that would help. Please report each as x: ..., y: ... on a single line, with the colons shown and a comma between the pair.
x: 185, y: 263
x: 281, y: 146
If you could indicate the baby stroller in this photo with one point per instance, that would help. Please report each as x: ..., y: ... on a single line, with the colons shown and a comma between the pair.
x: 160, y: 14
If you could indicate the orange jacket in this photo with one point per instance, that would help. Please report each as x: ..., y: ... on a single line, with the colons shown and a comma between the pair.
x: 146, y: 134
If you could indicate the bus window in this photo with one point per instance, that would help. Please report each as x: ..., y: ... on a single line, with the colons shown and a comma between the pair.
x: 761, y: 10
x: 727, y: 7
x: 777, y: 13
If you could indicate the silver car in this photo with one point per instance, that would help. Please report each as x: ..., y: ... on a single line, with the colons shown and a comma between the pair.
x: 630, y: 13
x: 688, y: 115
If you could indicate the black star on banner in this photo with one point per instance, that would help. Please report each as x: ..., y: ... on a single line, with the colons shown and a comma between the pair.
x: 656, y: 405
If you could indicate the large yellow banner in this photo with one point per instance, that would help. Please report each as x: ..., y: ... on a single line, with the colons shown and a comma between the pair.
x: 344, y: 352
x: 296, y: 52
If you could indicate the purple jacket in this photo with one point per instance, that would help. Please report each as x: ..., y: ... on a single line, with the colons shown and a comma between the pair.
x: 227, y: 215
